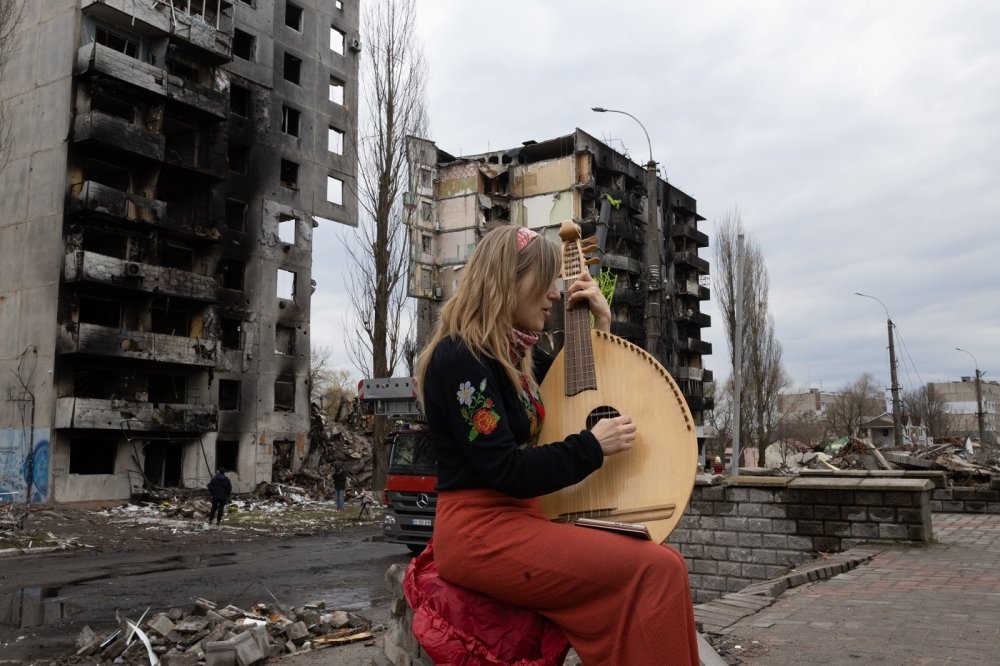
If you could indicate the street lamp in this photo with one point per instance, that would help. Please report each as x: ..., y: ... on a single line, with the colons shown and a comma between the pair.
x: 897, y: 437
x: 979, y: 400
x: 654, y: 244
x: 601, y: 109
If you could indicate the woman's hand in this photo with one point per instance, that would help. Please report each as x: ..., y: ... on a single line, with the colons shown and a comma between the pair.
x: 585, y: 290
x: 615, y: 435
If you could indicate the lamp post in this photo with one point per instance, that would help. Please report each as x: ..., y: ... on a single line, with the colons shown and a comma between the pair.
x: 897, y: 437
x: 979, y: 401
x: 654, y: 261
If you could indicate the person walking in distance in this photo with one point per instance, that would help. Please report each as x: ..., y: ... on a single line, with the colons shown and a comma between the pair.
x: 220, y: 488
x: 340, y: 486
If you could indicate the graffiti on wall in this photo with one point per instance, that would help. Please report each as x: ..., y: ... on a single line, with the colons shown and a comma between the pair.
x: 22, y: 467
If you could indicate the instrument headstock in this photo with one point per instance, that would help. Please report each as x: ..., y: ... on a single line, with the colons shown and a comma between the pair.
x: 576, y: 251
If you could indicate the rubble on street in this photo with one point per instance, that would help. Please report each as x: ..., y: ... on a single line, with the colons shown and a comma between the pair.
x: 220, y: 636
x: 958, y: 458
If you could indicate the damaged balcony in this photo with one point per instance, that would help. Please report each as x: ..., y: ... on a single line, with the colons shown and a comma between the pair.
x: 193, y: 153
x: 692, y: 288
x: 205, y: 26
x: 632, y: 332
x: 695, y: 374
x: 690, y: 232
x: 83, y: 266
x: 624, y: 226
x: 106, y: 63
x: 93, y: 197
x: 102, y: 128
x: 691, y: 258
x: 213, y: 103
x: 134, y: 416
x: 695, y: 345
x: 87, y: 338
x: 693, y: 316
x: 622, y: 263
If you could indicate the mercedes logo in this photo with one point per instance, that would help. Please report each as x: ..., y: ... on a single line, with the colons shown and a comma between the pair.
x: 423, y: 500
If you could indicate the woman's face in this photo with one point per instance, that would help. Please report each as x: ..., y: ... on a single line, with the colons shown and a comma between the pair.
x: 532, y: 308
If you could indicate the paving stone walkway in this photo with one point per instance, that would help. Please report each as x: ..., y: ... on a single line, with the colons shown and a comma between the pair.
x: 938, y: 604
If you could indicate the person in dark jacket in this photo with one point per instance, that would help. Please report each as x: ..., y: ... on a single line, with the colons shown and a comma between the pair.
x: 340, y: 486
x: 618, y: 599
x: 220, y: 488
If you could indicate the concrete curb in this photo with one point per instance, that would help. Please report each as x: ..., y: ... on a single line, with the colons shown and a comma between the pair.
x: 715, y: 616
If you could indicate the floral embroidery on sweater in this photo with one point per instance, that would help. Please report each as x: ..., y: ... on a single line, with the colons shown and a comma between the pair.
x: 532, y: 404
x: 477, y: 409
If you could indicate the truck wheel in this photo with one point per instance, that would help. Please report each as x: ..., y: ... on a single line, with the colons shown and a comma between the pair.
x: 415, y: 548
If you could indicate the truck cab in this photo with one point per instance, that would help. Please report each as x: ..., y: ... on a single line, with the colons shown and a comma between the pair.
x: 409, y: 497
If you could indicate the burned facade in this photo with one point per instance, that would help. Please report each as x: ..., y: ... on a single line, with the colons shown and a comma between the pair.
x: 454, y: 200
x: 156, y: 214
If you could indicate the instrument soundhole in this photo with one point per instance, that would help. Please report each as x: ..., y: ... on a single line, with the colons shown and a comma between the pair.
x: 602, y: 412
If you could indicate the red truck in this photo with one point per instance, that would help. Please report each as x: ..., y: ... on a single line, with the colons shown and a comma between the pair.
x: 409, y: 497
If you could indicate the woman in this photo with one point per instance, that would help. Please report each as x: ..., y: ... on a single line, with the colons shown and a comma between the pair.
x: 618, y: 599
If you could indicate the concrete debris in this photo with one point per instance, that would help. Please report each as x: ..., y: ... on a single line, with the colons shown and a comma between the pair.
x: 227, y: 636
x: 962, y: 461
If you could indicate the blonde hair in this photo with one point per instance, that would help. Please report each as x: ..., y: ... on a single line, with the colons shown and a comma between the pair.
x: 481, y: 312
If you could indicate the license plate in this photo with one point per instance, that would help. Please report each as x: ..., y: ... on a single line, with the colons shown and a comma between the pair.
x: 423, y: 522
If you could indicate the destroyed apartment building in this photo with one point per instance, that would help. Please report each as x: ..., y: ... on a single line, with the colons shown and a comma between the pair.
x: 166, y: 165
x: 454, y: 200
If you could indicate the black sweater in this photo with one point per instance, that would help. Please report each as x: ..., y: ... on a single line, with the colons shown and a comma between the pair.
x: 480, y: 427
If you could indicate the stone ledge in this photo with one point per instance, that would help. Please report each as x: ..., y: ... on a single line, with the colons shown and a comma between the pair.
x: 861, y: 480
x: 939, y: 478
x: 717, y: 615
x: 859, y: 483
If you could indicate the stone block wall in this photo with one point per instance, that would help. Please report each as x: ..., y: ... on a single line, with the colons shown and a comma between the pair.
x: 750, y: 529
x: 945, y: 498
x: 978, y: 499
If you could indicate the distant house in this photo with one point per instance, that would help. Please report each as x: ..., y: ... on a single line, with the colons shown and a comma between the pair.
x: 879, y: 431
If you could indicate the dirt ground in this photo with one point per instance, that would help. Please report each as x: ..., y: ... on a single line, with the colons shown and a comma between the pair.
x: 122, y: 526
x: 301, y: 549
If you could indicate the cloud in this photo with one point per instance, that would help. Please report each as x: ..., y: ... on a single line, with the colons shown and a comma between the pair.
x: 861, y: 143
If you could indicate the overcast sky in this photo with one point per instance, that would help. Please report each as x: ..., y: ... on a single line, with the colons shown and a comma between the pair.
x: 859, y: 141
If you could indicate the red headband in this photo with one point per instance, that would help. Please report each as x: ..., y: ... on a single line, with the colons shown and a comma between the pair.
x: 525, y: 236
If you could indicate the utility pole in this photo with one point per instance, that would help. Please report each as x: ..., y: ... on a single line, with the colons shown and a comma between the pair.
x: 738, y: 358
x: 897, y: 427
x: 979, y: 401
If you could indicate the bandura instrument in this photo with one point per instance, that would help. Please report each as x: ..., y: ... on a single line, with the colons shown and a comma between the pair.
x: 596, y: 375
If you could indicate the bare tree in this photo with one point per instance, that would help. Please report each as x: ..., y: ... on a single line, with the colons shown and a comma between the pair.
x: 10, y: 16
x: 858, y: 401
x: 721, y: 418
x: 322, y: 372
x: 762, y: 370
x: 394, y: 84
x: 930, y: 407
x: 806, y: 427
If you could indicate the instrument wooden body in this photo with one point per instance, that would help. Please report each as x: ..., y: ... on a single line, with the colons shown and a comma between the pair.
x: 651, y: 483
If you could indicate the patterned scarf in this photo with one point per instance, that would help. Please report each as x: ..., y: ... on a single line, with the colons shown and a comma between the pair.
x: 520, y: 343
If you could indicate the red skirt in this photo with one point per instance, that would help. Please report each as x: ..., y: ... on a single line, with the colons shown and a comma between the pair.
x: 620, y: 600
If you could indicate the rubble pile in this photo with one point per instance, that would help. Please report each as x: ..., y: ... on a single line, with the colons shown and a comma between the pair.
x: 957, y: 457
x: 330, y: 446
x: 227, y: 636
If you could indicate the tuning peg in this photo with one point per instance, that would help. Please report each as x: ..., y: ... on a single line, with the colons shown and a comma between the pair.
x: 592, y: 240
x: 592, y: 261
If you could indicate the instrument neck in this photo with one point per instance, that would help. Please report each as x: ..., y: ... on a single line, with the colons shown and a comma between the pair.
x: 578, y: 351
